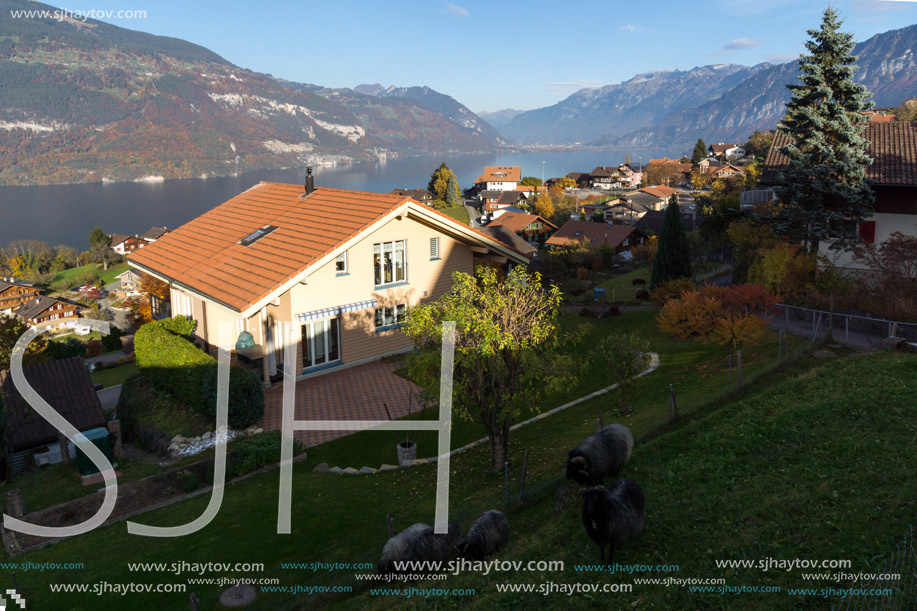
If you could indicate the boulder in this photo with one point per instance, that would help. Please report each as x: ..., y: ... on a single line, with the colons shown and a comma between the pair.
x: 321, y: 468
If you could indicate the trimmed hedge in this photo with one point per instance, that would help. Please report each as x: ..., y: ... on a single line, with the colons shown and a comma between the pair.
x: 166, y: 357
x: 259, y: 450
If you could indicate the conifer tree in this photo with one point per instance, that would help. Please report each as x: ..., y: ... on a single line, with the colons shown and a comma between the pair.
x: 673, y: 258
x: 700, y: 152
x: 453, y: 196
x: 822, y: 190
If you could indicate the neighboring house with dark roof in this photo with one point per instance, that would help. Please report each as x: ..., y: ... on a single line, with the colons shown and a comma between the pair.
x: 60, y: 312
x: 495, y: 200
x: 892, y: 177
x: 418, y: 195
x: 530, y: 227
x: 499, y: 178
x: 606, y: 178
x: 341, y: 266
x: 723, y: 150
x: 125, y: 244
x: 596, y: 235
x: 652, y: 221
x: 65, y: 385
x: 580, y: 178
x: 630, y: 175
x: 14, y: 294
x: 153, y: 234
x: 130, y: 280
x: 705, y: 164
x: 510, y: 238
x: 726, y: 171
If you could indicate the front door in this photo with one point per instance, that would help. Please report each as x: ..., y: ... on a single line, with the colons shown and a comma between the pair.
x: 321, y: 342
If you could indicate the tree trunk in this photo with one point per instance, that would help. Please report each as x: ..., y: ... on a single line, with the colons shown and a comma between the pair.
x: 499, y: 447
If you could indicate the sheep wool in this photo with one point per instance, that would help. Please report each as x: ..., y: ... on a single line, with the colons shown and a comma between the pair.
x: 600, y: 454
x: 488, y: 534
x: 430, y: 547
x: 396, y: 548
x: 614, y: 515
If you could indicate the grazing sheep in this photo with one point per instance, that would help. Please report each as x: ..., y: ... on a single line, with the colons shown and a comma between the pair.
x: 600, y: 454
x: 430, y: 547
x: 488, y: 534
x: 642, y: 294
x: 638, y: 282
x: 396, y: 548
x: 614, y: 514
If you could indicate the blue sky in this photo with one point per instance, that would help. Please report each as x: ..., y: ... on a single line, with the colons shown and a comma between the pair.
x: 499, y: 54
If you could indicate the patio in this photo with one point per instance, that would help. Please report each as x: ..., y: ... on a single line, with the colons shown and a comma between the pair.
x: 356, y: 393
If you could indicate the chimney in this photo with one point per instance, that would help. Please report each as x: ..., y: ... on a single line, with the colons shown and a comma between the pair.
x: 310, y: 183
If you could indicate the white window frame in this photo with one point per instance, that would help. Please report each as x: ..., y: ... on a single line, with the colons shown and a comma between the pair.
x: 392, y: 317
x: 341, y: 258
x: 391, y: 247
x: 434, y: 249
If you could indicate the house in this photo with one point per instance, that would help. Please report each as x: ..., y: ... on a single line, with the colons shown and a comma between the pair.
x: 499, y: 178
x: 494, y: 200
x: 589, y: 210
x: 662, y: 192
x: 530, y: 227
x: 62, y: 313
x: 582, y: 179
x: 750, y: 198
x: 501, y: 211
x: 892, y: 177
x: 512, y: 239
x: 629, y: 175
x: 341, y: 266
x: 722, y: 150
x: 418, y: 195
x: 130, y: 280
x: 153, y: 234
x: 681, y: 172
x: 652, y: 221
x: 66, y: 386
x: 705, y: 164
x: 726, y: 171
x: 641, y: 201
x: 606, y: 178
x: 596, y: 235
x: 14, y: 294
x: 125, y: 244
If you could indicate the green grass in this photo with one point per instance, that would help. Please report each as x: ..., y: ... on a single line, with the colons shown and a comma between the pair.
x: 71, y: 276
x: 342, y: 518
x: 623, y: 284
x: 459, y: 213
x: 115, y: 375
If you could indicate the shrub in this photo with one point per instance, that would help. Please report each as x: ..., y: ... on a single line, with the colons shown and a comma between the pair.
x: 673, y: 289
x: 65, y: 349
x: 93, y: 348
x: 179, y: 325
x: 172, y: 362
x: 260, y: 450
x: 112, y: 341
x: 187, y: 481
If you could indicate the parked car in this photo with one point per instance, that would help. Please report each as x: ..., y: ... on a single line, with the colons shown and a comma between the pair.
x: 82, y: 330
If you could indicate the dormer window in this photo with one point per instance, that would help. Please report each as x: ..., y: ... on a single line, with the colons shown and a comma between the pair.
x: 256, y: 235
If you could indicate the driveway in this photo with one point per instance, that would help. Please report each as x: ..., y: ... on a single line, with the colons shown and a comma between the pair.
x: 355, y: 393
x: 119, y: 318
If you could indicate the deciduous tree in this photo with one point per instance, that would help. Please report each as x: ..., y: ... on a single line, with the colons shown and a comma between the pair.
x: 439, y: 181
x: 544, y: 205
x: 625, y: 355
x: 507, y: 348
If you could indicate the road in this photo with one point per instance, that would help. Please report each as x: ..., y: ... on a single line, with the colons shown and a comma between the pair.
x: 473, y: 214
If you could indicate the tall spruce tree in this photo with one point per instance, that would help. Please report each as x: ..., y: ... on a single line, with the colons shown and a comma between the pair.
x: 700, y: 152
x: 673, y: 258
x: 822, y: 190
x: 453, y: 195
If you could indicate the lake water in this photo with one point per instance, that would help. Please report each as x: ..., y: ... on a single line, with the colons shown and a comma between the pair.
x: 65, y: 214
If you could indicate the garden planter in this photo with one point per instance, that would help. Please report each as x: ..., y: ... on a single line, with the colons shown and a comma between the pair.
x: 407, y: 452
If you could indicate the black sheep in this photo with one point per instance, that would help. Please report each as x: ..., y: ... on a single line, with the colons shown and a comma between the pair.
x: 600, y: 454
x: 614, y: 514
x: 489, y: 533
x: 428, y: 546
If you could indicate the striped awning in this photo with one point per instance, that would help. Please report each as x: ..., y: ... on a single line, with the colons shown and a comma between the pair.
x: 337, y: 310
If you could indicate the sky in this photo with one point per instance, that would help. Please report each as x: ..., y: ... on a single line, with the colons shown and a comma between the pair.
x: 497, y: 54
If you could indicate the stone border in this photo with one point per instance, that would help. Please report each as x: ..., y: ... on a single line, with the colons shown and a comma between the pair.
x: 324, y: 468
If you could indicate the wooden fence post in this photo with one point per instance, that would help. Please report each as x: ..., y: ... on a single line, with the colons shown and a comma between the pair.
x: 739, y: 366
x: 525, y: 467
x: 673, y: 406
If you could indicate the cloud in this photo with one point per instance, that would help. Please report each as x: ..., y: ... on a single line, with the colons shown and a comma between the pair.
x: 632, y: 28
x: 737, y: 44
x: 456, y: 11
x: 565, y: 88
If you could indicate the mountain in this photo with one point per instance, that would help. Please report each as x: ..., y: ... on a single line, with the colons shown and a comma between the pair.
x: 617, y: 109
x: 89, y: 101
x: 886, y: 65
x: 500, y: 118
x: 374, y: 89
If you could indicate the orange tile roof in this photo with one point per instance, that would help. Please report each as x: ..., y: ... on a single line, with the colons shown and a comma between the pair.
x: 517, y: 221
x: 204, y: 254
x: 513, y: 174
x: 660, y: 191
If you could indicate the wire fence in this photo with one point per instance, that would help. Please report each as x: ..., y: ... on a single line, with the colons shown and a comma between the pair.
x: 865, y: 330
x: 903, y: 591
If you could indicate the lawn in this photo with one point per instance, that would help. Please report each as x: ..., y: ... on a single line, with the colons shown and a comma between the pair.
x: 621, y: 287
x: 459, y: 213
x: 71, y: 276
x: 115, y: 375
x: 342, y: 518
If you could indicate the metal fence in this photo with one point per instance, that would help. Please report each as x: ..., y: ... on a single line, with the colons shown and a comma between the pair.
x: 902, y: 562
x: 845, y: 326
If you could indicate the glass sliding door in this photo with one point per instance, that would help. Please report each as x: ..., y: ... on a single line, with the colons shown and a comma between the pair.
x: 320, y: 342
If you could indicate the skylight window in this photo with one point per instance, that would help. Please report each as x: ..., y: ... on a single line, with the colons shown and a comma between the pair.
x: 256, y: 235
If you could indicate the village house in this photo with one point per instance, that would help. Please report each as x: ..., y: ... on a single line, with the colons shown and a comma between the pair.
x: 725, y: 151
x: 341, y: 266
x: 498, y: 178
x: 606, y: 178
x: 496, y: 200
x: 130, y: 280
x: 530, y: 227
x: 629, y: 175
x: 61, y: 313
x: 681, y: 172
x: 596, y: 235
x: 153, y: 234
x: 726, y: 171
x: 125, y: 244
x: 418, y: 195
x: 892, y: 177
x: 14, y: 294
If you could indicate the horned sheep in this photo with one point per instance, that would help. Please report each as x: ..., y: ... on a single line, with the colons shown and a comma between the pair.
x: 602, y: 453
x: 614, y: 515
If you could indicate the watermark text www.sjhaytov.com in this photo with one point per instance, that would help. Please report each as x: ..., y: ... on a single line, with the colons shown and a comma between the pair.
x: 64, y: 14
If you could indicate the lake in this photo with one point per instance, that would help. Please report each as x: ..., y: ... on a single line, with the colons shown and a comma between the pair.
x: 65, y: 214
